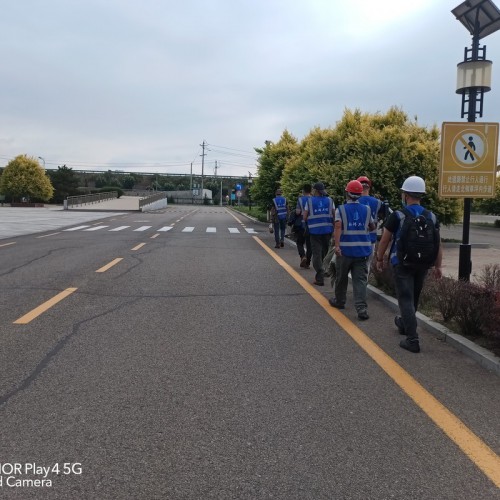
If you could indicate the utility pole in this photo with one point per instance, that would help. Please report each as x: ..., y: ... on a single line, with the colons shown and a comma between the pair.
x: 191, y: 180
x: 203, y: 144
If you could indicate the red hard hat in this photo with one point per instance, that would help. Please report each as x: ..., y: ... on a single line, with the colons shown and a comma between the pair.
x: 354, y: 187
x: 364, y: 179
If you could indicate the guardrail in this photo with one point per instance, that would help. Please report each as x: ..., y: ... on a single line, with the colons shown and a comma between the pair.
x: 152, y: 199
x: 85, y: 199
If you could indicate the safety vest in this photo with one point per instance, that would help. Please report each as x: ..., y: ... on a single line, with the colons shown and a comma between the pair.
x: 416, y: 210
x: 320, y: 215
x: 280, y: 204
x: 375, y: 206
x: 355, y: 236
x: 302, y: 203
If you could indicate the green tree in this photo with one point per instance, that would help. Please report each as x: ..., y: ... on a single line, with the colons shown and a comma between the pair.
x: 128, y: 182
x: 490, y: 205
x: 271, y: 163
x: 23, y: 176
x: 65, y: 183
x: 385, y: 147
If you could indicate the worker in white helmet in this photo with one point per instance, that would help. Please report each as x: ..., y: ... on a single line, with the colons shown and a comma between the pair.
x: 415, y: 246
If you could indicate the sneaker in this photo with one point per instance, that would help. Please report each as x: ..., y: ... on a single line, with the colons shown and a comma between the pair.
x: 308, y: 265
x: 333, y: 302
x: 282, y: 244
x: 276, y: 246
x: 398, y: 321
x: 410, y: 345
x: 363, y: 314
x: 318, y: 283
x: 303, y: 262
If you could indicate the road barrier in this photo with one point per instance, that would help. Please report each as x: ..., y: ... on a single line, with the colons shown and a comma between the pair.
x: 85, y: 199
x: 154, y: 202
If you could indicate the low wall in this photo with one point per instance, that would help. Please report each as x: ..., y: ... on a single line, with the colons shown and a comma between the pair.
x: 155, y: 205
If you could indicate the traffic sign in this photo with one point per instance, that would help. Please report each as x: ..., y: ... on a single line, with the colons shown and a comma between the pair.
x: 238, y: 194
x: 468, y: 160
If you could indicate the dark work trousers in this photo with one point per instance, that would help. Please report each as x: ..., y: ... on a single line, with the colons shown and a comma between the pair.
x: 303, y: 237
x: 358, y: 266
x: 319, y: 247
x: 279, y: 231
x: 409, y: 283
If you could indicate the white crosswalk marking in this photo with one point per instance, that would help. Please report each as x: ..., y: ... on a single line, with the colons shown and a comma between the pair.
x: 164, y: 229
x: 76, y: 228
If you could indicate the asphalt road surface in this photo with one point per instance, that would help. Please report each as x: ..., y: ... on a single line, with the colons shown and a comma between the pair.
x: 178, y: 355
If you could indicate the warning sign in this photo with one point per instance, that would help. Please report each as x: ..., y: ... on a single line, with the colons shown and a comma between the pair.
x: 468, y: 160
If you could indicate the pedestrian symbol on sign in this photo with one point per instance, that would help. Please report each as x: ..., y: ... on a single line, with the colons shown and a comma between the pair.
x: 469, y: 148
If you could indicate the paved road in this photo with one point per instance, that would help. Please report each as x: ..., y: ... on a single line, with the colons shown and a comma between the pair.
x: 203, y: 365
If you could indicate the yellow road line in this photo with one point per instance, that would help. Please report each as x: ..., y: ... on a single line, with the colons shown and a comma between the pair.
x: 108, y: 266
x: 234, y: 216
x: 140, y: 245
x: 44, y: 307
x: 8, y: 244
x: 155, y: 236
x: 475, y: 449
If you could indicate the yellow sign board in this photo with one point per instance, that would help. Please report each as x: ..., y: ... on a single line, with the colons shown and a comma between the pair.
x: 469, y: 155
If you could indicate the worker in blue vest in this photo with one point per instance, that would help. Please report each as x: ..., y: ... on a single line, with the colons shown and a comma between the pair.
x: 353, y: 223
x: 303, y: 237
x: 279, y: 216
x: 377, y: 209
x: 318, y: 214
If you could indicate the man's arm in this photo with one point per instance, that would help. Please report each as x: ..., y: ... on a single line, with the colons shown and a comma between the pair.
x: 382, y: 247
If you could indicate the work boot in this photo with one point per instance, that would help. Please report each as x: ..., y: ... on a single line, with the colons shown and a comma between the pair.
x: 398, y: 321
x: 333, y: 302
x: 363, y: 314
x: 410, y: 345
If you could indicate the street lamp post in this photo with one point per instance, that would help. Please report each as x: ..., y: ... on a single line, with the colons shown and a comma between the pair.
x: 40, y: 158
x: 250, y: 181
x: 481, y: 18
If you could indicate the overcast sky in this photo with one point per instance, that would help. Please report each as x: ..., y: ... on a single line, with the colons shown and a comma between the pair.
x: 139, y: 84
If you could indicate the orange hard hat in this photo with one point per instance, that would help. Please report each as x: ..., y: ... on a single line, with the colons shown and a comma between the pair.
x: 364, y: 180
x: 354, y: 187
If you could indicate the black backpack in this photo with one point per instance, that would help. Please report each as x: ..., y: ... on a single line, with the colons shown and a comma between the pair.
x: 295, y: 221
x: 418, y: 242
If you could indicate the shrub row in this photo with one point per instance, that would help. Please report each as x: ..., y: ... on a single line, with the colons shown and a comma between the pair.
x: 473, y: 307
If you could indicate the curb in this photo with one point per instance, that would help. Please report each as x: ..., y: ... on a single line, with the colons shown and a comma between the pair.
x: 479, y: 354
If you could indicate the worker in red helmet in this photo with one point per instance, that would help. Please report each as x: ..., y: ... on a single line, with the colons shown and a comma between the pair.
x: 353, y: 223
x: 376, y: 207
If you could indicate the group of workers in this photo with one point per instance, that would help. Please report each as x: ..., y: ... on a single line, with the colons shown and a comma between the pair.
x: 351, y: 229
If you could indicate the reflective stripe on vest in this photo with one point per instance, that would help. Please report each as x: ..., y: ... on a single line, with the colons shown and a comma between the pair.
x: 280, y: 204
x: 355, y: 238
x: 320, y: 215
x: 375, y: 206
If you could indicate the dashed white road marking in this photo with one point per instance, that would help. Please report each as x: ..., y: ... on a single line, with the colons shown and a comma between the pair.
x: 142, y: 228
x: 120, y: 228
x: 188, y: 229
x: 233, y: 230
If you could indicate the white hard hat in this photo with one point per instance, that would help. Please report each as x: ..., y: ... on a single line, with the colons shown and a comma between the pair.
x: 414, y: 184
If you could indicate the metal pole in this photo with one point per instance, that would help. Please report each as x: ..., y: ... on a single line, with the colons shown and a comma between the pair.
x: 202, y: 169
x: 464, y: 256
x: 221, y: 193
